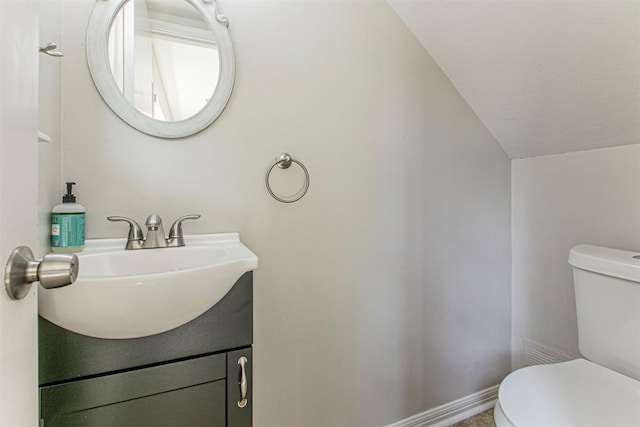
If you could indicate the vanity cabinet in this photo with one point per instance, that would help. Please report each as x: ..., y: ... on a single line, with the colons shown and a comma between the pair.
x: 189, y: 376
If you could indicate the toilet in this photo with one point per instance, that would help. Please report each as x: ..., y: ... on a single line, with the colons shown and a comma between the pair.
x: 602, y: 390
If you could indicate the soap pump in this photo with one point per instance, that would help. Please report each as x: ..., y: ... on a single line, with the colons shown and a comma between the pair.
x: 68, y: 224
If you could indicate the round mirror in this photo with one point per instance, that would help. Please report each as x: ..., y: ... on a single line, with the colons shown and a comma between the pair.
x: 166, y: 67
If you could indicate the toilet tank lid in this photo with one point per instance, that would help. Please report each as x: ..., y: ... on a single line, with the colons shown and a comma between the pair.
x: 611, y: 262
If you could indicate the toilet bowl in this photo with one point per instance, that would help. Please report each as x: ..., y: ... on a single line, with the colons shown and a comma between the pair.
x: 574, y: 393
x: 603, y: 391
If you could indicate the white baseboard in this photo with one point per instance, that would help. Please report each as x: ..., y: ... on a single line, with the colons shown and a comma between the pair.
x: 453, y: 412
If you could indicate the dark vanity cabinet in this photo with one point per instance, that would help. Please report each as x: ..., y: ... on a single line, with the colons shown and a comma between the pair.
x: 190, y: 376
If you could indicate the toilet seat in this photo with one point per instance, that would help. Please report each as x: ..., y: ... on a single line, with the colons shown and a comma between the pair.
x: 574, y: 393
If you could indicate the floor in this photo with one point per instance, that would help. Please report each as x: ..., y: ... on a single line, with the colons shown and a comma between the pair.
x: 483, y: 419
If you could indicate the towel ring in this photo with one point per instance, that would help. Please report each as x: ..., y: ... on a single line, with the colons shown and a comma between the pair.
x: 283, y: 161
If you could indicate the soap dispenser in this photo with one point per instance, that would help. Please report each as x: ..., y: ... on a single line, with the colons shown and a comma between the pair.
x: 67, y: 224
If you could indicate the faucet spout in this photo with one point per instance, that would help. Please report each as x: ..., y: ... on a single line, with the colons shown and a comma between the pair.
x: 155, y: 233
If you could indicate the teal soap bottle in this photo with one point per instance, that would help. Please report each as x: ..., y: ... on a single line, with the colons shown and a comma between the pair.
x: 68, y: 224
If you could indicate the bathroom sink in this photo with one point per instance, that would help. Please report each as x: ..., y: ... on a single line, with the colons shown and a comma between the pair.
x: 135, y: 293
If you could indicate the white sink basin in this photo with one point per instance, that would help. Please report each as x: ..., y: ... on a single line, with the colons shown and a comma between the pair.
x: 135, y: 293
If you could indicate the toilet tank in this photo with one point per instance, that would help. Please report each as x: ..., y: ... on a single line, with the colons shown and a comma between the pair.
x: 607, y: 288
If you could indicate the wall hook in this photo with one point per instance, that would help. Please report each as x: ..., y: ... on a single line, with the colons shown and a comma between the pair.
x: 48, y: 49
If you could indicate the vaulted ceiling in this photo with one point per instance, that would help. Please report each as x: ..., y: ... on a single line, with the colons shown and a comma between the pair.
x: 544, y: 76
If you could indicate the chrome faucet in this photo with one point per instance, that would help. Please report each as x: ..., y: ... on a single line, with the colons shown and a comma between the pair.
x: 155, y: 232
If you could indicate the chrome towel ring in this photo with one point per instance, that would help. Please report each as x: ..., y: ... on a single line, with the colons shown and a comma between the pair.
x: 284, y: 161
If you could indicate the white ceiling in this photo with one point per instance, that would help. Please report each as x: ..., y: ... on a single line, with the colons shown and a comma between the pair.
x: 544, y: 76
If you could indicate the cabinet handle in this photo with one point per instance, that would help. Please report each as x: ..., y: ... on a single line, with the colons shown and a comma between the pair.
x: 243, y: 382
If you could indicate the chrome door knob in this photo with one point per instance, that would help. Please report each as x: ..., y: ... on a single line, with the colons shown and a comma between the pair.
x: 54, y: 270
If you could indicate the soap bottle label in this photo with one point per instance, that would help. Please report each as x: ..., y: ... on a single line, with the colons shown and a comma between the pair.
x: 67, y: 229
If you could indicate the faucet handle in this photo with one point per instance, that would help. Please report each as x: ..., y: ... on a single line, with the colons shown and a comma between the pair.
x: 176, y: 237
x: 135, y: 238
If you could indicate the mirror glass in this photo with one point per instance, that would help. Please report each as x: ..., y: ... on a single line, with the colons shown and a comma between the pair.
x: 165, y: 67
x: 163, y: 58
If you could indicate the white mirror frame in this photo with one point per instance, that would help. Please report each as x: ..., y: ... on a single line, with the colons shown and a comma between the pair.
x: 98, y: 30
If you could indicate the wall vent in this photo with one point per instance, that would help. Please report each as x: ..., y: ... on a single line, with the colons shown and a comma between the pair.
x: 539, y: 354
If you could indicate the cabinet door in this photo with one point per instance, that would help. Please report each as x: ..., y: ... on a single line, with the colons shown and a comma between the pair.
x: 239, y: 412
x: 197, y: 406
x: 189, y: 393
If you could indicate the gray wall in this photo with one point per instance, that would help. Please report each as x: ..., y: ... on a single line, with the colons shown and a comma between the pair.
x: 386, y: 290
x: 560, y: 201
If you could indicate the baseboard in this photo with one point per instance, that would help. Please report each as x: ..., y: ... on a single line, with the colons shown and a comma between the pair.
x: 451, y: 413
